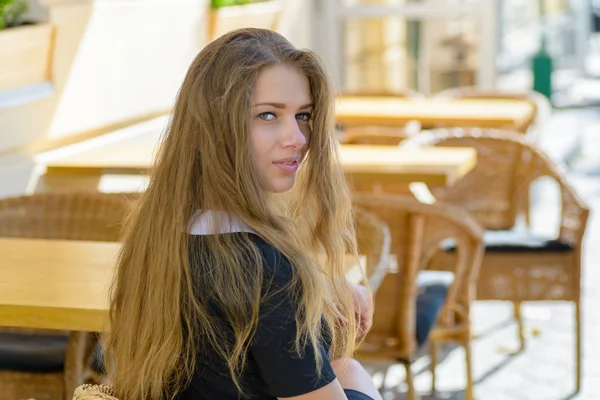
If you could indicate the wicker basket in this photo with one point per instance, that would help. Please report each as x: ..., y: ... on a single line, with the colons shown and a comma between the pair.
x: 94, y: 392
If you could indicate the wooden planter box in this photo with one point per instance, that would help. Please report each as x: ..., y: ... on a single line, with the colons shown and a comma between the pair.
x: 257, y: 15
x: 25, y: 55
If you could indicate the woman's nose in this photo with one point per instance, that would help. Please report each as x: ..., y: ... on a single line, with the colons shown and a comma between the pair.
x: 293, y: 135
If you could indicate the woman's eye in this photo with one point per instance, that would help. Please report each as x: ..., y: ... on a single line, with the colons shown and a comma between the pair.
x: 304, y: 117
x: 267, y: 116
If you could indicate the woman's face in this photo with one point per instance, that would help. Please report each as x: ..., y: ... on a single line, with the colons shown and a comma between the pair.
x: 280, y: 125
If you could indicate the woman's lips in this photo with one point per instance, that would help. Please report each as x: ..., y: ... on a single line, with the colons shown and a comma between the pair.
x: 287, y: 166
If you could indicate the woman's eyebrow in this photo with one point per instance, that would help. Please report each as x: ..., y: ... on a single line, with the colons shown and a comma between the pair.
x: 282, y: 106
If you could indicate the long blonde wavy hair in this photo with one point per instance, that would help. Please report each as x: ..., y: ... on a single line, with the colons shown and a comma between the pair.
x: 159, y: 311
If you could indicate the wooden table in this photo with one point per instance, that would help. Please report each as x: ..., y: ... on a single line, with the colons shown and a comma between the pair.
x: 395, y: 111
x: 63, y: 284
x: 434, y: 166
x: 82, y: 170
x: 55, y: 284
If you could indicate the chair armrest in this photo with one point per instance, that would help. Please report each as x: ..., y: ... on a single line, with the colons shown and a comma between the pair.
x: 574, y: 213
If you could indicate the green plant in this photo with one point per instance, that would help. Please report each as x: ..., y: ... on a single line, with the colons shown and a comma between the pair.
x: 226, y: 3
x: 11, y: 12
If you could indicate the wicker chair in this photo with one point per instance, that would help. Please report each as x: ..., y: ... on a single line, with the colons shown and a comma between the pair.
x: 48, y: 363
x: 517, y: 267
x: 94, y: 392
x: 542, y: 106
x: 542, y: 113
x: 417, y: 230
x: 373, y: 239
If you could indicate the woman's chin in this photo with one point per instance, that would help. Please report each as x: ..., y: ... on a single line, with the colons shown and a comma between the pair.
x: 282, y: 185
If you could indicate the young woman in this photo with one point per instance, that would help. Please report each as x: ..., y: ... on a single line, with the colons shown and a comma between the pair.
x: 230, y: 281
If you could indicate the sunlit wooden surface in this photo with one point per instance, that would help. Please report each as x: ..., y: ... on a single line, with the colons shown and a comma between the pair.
x: 55, y: 284
x: 62, y: 284
x: 491, y: 113
x: 82, y: 167
x: 436, y: 166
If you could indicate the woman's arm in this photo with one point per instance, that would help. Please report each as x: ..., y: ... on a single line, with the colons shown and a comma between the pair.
x: 331, y: 391
x: 351, y: 375
x: 287, y: 374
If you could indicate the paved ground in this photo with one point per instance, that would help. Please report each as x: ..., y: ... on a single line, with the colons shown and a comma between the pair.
x: 545, y: 370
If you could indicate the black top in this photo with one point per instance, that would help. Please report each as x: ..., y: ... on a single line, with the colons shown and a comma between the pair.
x: 273, y: 369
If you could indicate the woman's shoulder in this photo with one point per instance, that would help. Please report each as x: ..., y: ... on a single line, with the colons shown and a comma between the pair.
x: 268, y: 251
x: 274, y: 260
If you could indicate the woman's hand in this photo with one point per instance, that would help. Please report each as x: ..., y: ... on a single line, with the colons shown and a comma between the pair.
x: 364, y: 308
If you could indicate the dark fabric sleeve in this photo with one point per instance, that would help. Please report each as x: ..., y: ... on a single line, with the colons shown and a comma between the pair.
x: 285, y: 373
